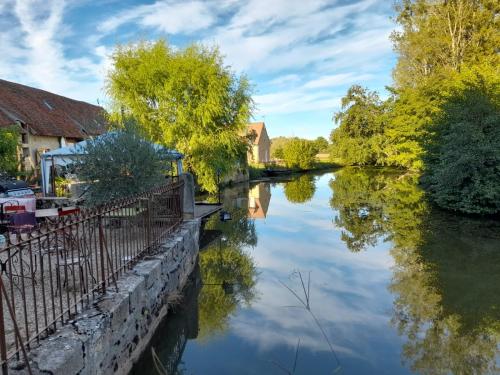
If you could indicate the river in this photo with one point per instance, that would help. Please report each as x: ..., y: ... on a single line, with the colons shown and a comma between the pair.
x: 348, y: 272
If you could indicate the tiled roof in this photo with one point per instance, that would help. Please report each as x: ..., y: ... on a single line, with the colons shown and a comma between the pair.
x: 49, y: 114
x: 257, y: 127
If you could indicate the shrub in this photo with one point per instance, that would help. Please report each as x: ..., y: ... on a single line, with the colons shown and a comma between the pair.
x: 462, y: 166
x: 8, y: 149
x: 299, y: 153
x: 120, y: 164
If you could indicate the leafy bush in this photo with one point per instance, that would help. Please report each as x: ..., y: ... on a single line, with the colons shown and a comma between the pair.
x: 462, y: 166
x: 120, y: 164
x: 299, y: 153
x: 9, y: 139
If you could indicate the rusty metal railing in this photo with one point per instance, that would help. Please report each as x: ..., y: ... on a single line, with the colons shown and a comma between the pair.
x: 58, y: 269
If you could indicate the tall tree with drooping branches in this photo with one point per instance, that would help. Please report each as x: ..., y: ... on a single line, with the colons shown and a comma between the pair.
x: 186, y: 99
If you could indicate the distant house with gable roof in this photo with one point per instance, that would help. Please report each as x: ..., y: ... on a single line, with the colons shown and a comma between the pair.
x: 47, y: 121
x: 260, y: 151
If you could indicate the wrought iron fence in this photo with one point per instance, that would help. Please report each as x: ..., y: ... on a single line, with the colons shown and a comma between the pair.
x: 59, y: 268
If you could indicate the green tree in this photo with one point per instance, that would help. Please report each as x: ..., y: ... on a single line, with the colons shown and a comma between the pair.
x: 358, y: 138
x: 185, y: 99
x: 299, y: 153
x: 434, y: 41
x: 462, y: 169
x: 436, y: 37
x: 278, y: 153
x: 9, y: 140
x: 321, y: 144
x: 120, y: 164
x: 300, y: 190
x: 277, y: 145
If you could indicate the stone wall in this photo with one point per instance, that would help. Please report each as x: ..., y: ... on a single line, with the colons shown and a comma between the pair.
x: 110, y: 337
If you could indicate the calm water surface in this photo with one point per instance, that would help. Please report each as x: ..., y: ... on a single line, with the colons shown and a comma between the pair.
x: 349, y: 272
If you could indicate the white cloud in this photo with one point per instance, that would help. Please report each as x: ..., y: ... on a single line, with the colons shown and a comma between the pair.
x: 169, y: 17
x: 299, y: 53
x: 336, y: 80
x: 295, y: 101
x: 34, y: 51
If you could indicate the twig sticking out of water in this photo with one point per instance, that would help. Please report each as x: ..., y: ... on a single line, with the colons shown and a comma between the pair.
x: 283, y: 368
x: 306, y: 303
x: 158, y: 364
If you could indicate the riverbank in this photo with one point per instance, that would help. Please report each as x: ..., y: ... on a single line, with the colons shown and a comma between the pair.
x: 258, y: 171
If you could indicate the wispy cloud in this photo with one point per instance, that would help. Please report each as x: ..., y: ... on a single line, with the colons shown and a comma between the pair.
x: 167, y: 16
x: 34, y: 48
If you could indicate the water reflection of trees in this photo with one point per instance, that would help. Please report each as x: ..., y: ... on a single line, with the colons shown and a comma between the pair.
x: 374, y: 204
x: 446, y: 273
x: 228, y: 271
x: 301, y: 189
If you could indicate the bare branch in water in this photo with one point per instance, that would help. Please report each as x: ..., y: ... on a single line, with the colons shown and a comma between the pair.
x: 157, y: 363
x: 307, y: 306
x: 283, y: 368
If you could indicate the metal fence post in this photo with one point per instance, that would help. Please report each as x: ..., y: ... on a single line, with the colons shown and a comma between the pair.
x: 148, y: 223
x: 3, y: 344
x: 101, y: 252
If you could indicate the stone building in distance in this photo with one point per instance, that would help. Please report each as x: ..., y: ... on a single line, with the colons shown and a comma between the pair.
x: 260, y: 151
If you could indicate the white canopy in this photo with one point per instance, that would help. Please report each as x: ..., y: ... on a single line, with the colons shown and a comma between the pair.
x: 65, y: 155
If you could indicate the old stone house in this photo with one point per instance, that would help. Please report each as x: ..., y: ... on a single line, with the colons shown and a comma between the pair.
x: 260, y: 151
x: 46, y: 121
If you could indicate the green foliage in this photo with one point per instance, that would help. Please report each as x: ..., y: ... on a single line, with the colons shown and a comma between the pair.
x: 446, y: 268
x: 429, y: 123
x: 358, y: 138
x: 299, y: 153
x: 120, y: 164
x: 278, y: 153
x: 228, y: 272
x: 9, y: 140
x: 321, y: 144
x: 463, y: 160
x: 277, y: 145
x: 374, y: 204
x: 300, y: 190
x: 62, y: 187
x: 185, y: 99
x: 436, y: 37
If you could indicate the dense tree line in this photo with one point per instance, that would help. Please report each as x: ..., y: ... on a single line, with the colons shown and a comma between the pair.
x: 442, y: 118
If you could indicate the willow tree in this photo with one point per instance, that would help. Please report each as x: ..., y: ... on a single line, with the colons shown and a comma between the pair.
x: 185, y: 99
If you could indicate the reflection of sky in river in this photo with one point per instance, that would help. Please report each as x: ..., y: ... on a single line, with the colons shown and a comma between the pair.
x: 348, y: 295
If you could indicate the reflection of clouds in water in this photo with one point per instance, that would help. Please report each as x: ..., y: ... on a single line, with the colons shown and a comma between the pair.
x: 342, y: 283
x: 270, y: 323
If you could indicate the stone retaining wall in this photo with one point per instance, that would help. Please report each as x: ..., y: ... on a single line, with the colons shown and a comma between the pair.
x: 109, y: 338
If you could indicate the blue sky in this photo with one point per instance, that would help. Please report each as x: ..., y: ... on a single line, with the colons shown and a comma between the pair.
x: 301, y: 55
